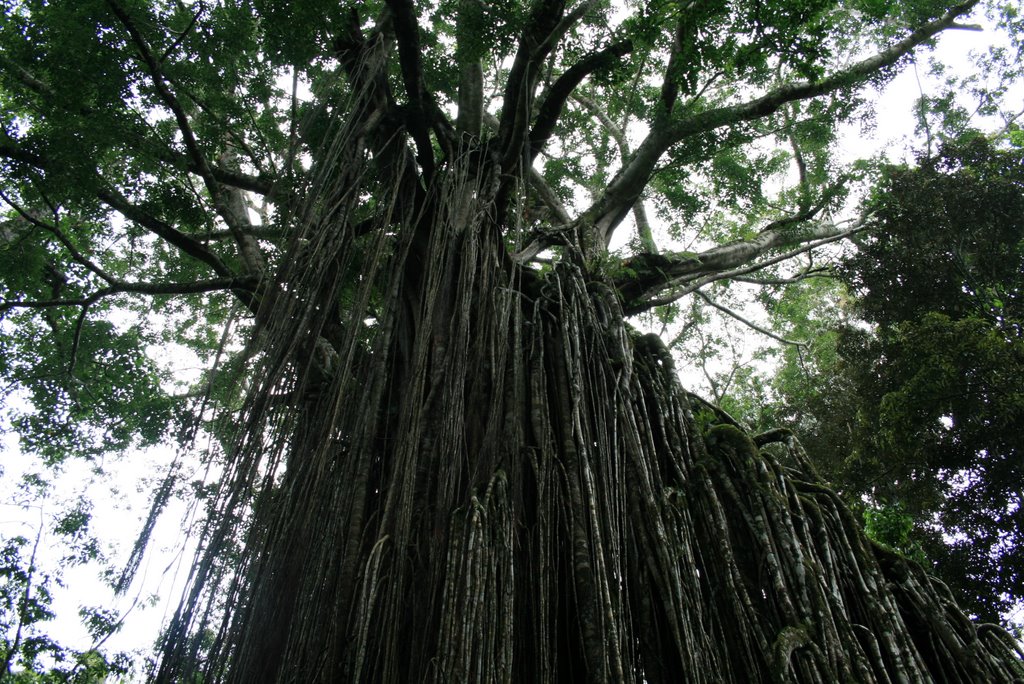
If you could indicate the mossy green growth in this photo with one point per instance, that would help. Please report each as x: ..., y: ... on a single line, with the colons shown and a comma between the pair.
x: 731, y: 441
x: 610, y: 266
x: 789, y: 639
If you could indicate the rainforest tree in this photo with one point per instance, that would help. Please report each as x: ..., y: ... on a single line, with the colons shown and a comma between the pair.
x: 444, y: 453
x: 915, y: 413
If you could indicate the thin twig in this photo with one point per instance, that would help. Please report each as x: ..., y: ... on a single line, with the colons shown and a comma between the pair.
x: 750, y: 324
x: 181, y: 37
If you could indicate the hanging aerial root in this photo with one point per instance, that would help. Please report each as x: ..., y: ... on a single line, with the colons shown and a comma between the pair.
x: 474, y: 472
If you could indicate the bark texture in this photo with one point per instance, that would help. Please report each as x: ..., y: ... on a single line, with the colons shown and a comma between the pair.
x: 471, y: 470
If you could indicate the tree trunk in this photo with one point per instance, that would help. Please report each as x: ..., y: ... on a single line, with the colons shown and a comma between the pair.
x: 471, y: 470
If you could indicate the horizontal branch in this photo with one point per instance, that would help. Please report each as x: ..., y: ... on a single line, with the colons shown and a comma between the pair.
x: 243, y: 283
x: 121, y: 287
x: 13, y: 152
x: 773, y: 436
x: 261, y: 184
x: 680, y: 287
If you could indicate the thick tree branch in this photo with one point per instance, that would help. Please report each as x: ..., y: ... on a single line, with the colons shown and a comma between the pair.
x: 27, y: 79
x: 801, y: 163
x: 643, y: 225
x: 236, y: 285
x: 773, y: 436
x: 683, y: 38
x: 165, y: 231
x: 13, y: 152
x: 261, y: 184
x: 233, y: 207
x: 548, y: 197
x: 554, y: 102
x: 471, y: 74
x: 160, y: 83
x: 421, y: 105
x: 543, y: 29
x: 728, y: 256
x: 236, y: 139
x: 225, y: 205
x: 733, y: 260
x: 609, y: 210
x: 547, y: 234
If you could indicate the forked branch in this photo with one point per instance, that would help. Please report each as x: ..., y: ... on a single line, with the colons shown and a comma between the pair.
x: 422, y: 108
x: 613, y: 205
x: 545, y: 26
x: 554, y: 102
x: 225, y: 205
x: 169, y: 99
x: 236, y: 285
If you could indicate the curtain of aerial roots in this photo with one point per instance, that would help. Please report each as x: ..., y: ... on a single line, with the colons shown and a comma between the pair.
x: 489, y: 481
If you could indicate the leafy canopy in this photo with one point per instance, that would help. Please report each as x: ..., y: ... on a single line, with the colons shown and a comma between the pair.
x: 919, y: 415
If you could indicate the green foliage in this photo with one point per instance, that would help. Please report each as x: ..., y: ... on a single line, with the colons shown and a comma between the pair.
x: 893, y: 528
x: 108, y: 400
x: 1016, y: 136
x: 277, y: 24
x: 922, y: 409
x: 967, y: 262
x: 27, y: 652
x: 705, y: 419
